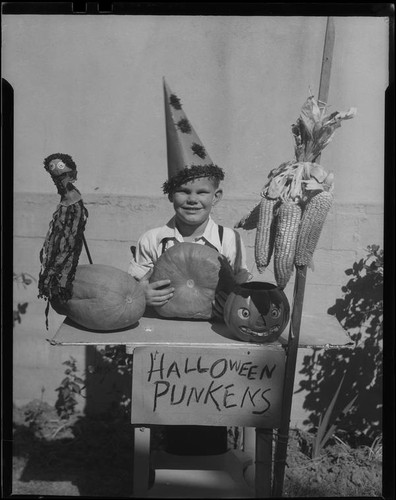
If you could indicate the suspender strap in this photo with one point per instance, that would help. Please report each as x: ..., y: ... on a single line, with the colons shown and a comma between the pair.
x: 238, y: 257
x: 164, y: 242
x: 221, y: 232
x: 238, y: 245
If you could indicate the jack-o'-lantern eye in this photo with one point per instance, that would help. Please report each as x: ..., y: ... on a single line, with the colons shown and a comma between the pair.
x: 243, y: 313
x: 275, y: 313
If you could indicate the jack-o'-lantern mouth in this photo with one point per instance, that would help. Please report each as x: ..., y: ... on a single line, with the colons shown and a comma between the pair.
x: 264, y: 333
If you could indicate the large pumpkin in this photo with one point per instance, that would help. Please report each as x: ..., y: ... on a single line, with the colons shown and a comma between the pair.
x: 196, y: 273
x: 257, y: 312
x: 104, y: 298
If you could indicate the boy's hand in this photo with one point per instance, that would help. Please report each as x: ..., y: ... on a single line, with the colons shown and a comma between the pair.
x: 157, y: 293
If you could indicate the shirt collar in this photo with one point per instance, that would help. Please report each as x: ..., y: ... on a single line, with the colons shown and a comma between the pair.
x: 170, y: 231
x: 211, y: 233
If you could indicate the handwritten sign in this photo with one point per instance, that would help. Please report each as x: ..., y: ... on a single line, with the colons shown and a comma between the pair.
x: 208, y: 386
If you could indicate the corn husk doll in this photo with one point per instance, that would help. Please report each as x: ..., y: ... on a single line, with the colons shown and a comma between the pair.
x: 63, y: 243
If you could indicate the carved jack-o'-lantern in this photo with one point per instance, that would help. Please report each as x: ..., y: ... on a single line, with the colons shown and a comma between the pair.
x: 257, y: 312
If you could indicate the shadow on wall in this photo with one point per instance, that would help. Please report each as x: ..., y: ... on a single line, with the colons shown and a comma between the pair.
x: 360, y: 312
x: 108, y: 379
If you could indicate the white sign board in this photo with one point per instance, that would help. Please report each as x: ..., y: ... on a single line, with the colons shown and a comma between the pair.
x: 189, y: 385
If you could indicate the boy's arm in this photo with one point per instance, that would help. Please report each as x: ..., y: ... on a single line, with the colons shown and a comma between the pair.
x: 235, y: 252
x: 141, y: 267
x: 136, y: 270
x: 143, y: 258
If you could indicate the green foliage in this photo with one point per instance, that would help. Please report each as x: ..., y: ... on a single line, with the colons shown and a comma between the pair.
x: 325, y: 431
x: 116, y: 359
x: 23, y: 279
x: 117, y: 356
x: 70, y: 387
x: 34, y: 412
x: 360, y: 313
x: 112, y: 360
x: 21, y: 309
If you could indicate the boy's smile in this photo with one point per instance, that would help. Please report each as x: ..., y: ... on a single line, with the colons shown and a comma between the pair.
x: 193, y: 202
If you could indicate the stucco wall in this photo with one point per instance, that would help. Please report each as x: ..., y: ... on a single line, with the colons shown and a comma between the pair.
x: 91, y: 86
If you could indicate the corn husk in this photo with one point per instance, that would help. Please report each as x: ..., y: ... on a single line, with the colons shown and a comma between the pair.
x: 314, y: 129
x: 298, y: 181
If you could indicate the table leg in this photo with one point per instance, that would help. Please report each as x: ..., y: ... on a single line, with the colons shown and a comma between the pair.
x: 263, y: 473
x: 141, y: 461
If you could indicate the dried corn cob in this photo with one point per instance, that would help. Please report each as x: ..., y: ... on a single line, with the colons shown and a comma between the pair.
x: 312, y: 222
x: 265, y: 234
x: 287, y: 225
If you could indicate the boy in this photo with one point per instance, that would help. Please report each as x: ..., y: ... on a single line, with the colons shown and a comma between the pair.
x: 193, y: 186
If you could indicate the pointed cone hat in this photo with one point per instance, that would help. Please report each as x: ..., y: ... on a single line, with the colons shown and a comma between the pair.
x: 186, y: 155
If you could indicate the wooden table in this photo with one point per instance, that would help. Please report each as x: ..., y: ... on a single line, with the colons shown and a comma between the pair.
x: 196, y: 373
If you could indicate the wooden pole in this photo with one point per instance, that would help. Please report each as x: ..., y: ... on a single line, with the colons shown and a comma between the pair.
x: 287, y: 398
x: 87, y: 250
x: 326, y: 61
x: 263, y: 463
x: 298, y: 301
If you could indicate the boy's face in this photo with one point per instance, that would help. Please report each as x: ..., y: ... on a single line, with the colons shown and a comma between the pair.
x: 193, y: 201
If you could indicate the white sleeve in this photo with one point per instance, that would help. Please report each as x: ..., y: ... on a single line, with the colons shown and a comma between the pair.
x: 234, y: 249
x: 145, y: 256
x: 136, y: 270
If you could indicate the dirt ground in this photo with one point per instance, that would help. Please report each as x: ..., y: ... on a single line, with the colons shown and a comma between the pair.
x: 92, y: 457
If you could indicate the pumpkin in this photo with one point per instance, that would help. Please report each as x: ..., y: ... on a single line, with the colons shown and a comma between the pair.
x: 257, y: 312
x: 196, y: 273
x: 103, y: 298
